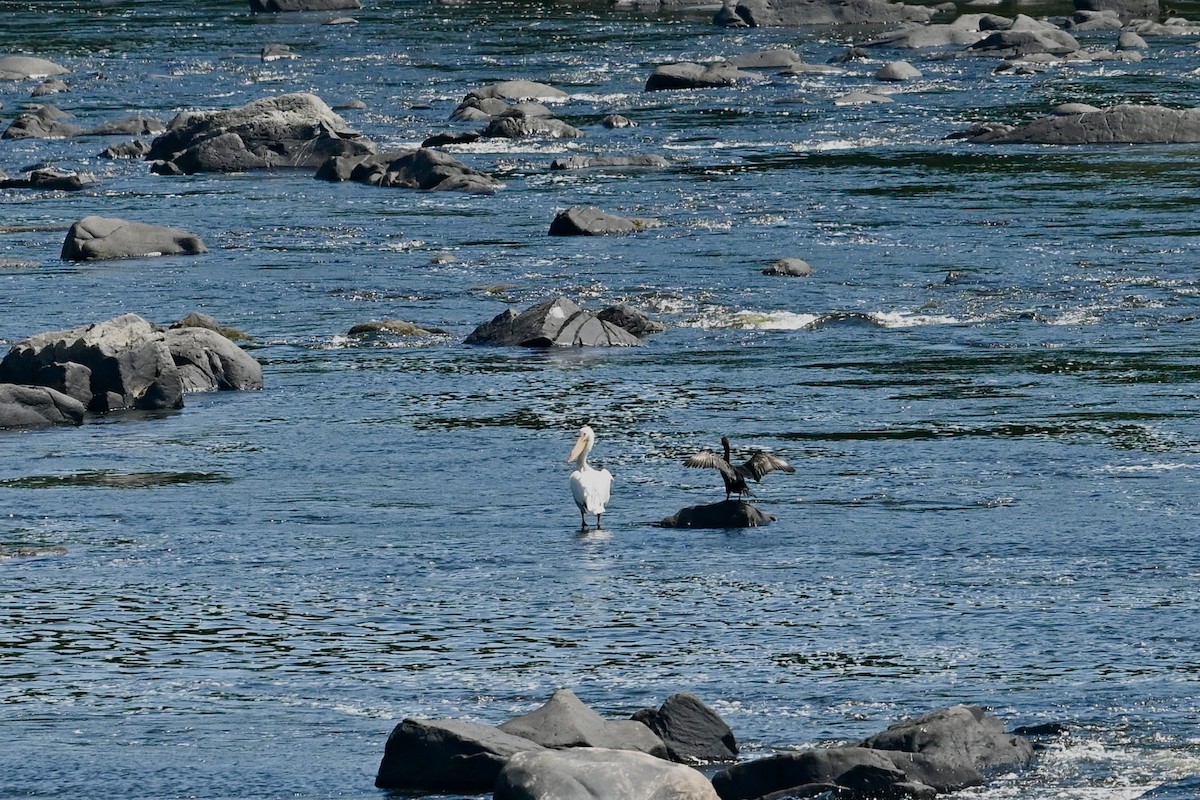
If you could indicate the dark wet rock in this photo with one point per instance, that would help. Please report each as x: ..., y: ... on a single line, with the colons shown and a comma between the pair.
x: 961, y: 735
x: 134, y: 149
x: 897, y: 71
x: 397, y: 327
x: 790, y: 267
x: 554, y: 323
x: 276, y: 6
x: 292, y: 130
x: 443, y: 139
x: 776, y: 13
x: 1183, y: 789
x: 51, y: 180
x: 598, y: 774
x: 1042, y: 729
x: 727, y: 17
x: 37, y: 407
x: 19, y: 68
x: 687, y: 75
x: 45, y: 122
x: 725, y: 514
x: 631, y: 319
x: 648, y: 161
x: 1127, y: 10
x: 617, y: 121
x: 508, y: 127
x: 591, y: 221
x: 425, y: 168
x: 566, y: 721
x: 209, y: 362
x: 93, y: 238
x: 447, y: 756
x: 49, y: 87
x: 1123, y: 124
x: 853, y: 771
x: 131, y: 126
x: 128, y: 363
x: 692, y: 732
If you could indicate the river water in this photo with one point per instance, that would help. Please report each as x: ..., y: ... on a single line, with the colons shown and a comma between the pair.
x: 988, y: 387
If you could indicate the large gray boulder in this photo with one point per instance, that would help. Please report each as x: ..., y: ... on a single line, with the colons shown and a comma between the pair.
x: 519, y: 127
x: 725, y: 514
x: 44, y: 122
x: 566, y: 721
x: 446, y: 756
x: 520, y: 90
x: 960, y: 734
x: 692, y: 732
x: 95, y: 238
x: 554, y: 323
x: 1123, y: 124
x: 598, y: 774
x: 275, y: 6
x: 122, y: 363
x: 19, y: 68
x: 591, y: 221
x: 291, y: 130
x: 37, y: 407
x: 775, y: 13
x: 424, y: 168
x: 209, y: 362
x: 687, y: 75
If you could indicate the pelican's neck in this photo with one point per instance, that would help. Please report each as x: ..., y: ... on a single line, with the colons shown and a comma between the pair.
x: 581, y: 462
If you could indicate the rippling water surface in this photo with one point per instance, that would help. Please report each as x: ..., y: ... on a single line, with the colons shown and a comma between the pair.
x: 988, y: 388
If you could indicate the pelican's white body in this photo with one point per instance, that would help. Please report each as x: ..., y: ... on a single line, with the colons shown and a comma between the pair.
x: 590, y: 487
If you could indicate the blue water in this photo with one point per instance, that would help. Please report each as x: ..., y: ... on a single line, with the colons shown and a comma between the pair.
x: 989, y: 388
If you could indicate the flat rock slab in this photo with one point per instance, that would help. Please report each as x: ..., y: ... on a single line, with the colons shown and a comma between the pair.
x: 687, y: 75
x: 1122, y: 124
x: 554, y: 323
x: 96, y: 238
x: 591, y: 221
x: 19, y: 68
x: 725, y: 514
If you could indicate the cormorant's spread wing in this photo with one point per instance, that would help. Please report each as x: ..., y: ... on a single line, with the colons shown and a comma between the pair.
x: 707, y: 458
x: 762, y: 463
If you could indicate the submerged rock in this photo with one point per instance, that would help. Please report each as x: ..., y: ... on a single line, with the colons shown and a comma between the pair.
x: 554, y: 323
x: 393, y: 326
x: 725, y: 514
x: 647, y: 161
x: 276, y: 6
x: 687, y: 75
x: 790, y: 267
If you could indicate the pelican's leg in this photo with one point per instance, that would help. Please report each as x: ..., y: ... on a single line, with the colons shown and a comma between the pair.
x: 599, y: 525
x: 583, y: 526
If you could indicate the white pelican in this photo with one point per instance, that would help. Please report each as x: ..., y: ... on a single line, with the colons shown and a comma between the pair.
x: 735, y: 475
x: 590, y: 487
